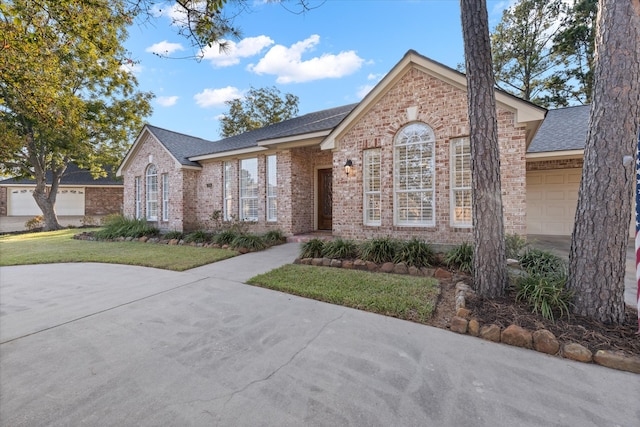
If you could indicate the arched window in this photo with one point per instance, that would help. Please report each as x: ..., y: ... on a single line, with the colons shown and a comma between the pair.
x: 152, y: 193
x: 414, y: 176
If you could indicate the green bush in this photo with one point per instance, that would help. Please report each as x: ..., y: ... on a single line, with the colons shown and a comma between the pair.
x: 545, y: 294
x: 539, y: 262
x: 514, y: 245
x: 415, y: 253
x: 340, y: 249
x: 171, y: 235
x: 379, y: 250
x: 274, y: 237
x: 313, y: 248
x: 460, y: 257
x: 249, y: 241
x: 199, y: 236
x: 119, y: 226
x: 224, y: 237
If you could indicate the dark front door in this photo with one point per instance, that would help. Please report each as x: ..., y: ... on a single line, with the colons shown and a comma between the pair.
x: 325, y: 199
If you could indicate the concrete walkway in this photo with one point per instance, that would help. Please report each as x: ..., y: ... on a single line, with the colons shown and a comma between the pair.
x: 103, y: 345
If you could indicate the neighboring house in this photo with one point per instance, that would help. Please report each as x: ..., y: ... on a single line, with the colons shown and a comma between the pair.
x: 407, y: 147
x: 79, y: 194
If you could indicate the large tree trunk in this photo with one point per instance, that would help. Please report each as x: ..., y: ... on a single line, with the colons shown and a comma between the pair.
x: 489, y: 261
x: 601, y: 231
x: 46, y: 200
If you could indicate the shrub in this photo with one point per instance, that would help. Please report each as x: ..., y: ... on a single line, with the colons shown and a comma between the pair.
x: 274, y: 237
x: 312, y: 249
x: 545, y: 294
x: 514, y: 245
x: 249, y: 241
x: 416, y: 253
x: 35, y: 223
x: 171, y: 235
x: 460, y: 257
x: 539, y: 262
x: 199, y: 236
x: 342, y: 249
x: 224, y: 237
x: 118, y: 226
x: 379, y: 250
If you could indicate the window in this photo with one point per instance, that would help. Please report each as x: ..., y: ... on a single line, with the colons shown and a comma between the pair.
x: 272, y: 188
x: 165, y: 197
x: 461, y: 209
x: 138, y: 191
x: 228, y: 195
x: 249, y: 190
x: 152, y: 193
x: 371, y: 178
x: 414, y: 167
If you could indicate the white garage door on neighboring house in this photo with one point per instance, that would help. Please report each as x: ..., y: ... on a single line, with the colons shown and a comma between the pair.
x: 69, y: 202
x: 552, y: 198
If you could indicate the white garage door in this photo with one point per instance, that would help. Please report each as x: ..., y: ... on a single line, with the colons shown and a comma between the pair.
x: 69, y: 201
x: 552, y: 197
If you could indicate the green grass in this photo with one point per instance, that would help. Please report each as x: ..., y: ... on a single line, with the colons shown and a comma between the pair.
x: 405, y: 297
x: 59, y: 246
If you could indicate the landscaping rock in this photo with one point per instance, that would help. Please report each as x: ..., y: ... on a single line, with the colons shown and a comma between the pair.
x: 336, y: 263
x: 617, y: 360
x: 517, y: 336
x: 359, y: 264
x: 473, y: 328
x: 401, y: 268
x: 460, y: 301
x: 463, y: 312
x: 545, y: 342
x: 577, y: 352
x: 316, y: 261
x: 428, y: 272
x: 441, y: 273
x: 143, y: 239
x: 173, y: 242
x: 372, y: 266
x: 462, y: 287
x: 459, y: 325
x: 490, y: 333
x: 326, y: 262
x: 414, y: 271
x: 387, y: 267
x: 347, y: 264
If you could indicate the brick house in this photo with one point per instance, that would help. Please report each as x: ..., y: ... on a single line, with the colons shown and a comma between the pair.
x: 407, y: 150
x: 79, y: 194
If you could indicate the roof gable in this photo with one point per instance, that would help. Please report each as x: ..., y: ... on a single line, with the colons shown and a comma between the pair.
x: 526, y: 112
x: 564, y: 129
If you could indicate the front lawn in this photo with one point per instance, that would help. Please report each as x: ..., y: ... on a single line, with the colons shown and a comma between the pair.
x: 59, y: 246
x: 405, y: 297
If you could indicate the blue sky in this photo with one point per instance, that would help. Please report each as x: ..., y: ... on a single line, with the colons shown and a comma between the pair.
x: 330, y: 56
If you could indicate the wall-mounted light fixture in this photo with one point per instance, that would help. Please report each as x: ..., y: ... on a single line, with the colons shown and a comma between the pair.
x: 348, y: 166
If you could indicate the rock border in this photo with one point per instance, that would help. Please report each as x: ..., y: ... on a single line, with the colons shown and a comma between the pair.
x: 541, y: 340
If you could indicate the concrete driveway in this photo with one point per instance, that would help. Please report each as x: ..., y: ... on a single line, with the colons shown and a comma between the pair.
x: 106, y: 345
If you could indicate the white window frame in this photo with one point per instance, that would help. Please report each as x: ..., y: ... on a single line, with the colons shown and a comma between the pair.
x: 228, y: 194
x: 248, y: 177
x: 371, y: 180
x: 152, y: 192
x: 272, y: 188
x: 414, y: 176
x: 165, y: 196
x: 460, y: 147
x: 138, y: 195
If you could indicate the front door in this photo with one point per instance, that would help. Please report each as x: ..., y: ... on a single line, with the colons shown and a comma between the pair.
x: 325, y: 199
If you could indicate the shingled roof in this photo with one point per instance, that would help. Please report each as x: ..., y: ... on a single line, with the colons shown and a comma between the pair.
x: 183, y: 147
x: 72, y: 176
x: 562, y: 129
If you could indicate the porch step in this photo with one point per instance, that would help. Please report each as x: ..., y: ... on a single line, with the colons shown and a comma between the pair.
x: 302, y: 238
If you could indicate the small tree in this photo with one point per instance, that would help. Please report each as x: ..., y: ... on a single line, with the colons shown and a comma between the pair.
x: 259, y: 108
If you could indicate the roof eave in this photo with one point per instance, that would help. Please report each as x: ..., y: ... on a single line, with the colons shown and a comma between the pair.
x: 231, y: 153
x: 555, y: 155
x: 293, y: 141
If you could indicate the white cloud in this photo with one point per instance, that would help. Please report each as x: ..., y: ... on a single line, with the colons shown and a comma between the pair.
x: 216, y: 97
x: 167, y: 101
x: 364, y: 90
x: 131, y: 67
x: 234, y: 51
x: 164, y: 48
x: 288, y: 65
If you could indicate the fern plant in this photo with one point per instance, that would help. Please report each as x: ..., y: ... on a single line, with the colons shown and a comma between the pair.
x: 460, y: 257
x: 545, y: 294
x: 541, y: 262
x: 313, y: 248
x: 415, y: 253
x: 340, y: 249
x: 379, y: 250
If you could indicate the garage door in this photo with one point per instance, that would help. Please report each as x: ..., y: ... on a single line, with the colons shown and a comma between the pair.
x: 69, y: 201
x: 552, y: 197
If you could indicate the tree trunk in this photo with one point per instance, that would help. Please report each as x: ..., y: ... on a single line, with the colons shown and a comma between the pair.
x: 489, y: 261
x: 46, y: 200
x: 601, y: 231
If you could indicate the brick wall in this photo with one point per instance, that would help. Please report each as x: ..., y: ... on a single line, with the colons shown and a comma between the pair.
x: 3, y: 201
x: 554, y: 164
x: 444, y: 108
x: 103, y: 200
